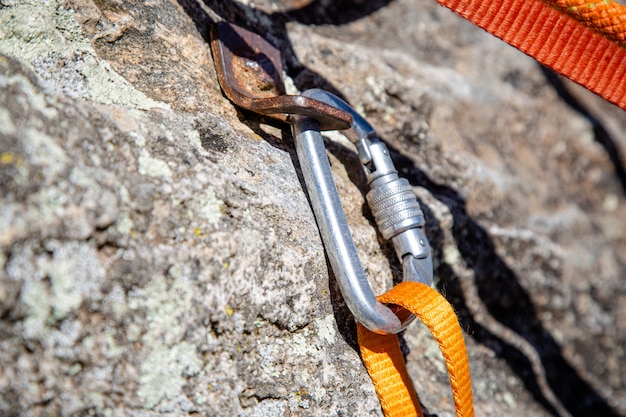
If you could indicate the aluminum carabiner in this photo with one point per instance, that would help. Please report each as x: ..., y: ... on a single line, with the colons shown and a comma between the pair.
x: 249, y: 69
x: 391, y: 199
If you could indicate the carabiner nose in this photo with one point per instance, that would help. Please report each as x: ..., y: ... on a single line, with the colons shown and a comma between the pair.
x: 391, y: 199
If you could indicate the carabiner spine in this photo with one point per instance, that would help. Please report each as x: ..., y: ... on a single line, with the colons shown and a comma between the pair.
x: 334, y: 230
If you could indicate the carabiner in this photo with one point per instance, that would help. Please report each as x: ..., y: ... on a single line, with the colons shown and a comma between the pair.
x: 249, y: 70
x: 391, y: 199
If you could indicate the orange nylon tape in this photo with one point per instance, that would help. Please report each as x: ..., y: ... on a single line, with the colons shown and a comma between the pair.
x: 584, y: 40
x: 384, y: 362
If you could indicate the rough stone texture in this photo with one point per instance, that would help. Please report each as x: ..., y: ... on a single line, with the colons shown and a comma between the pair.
x: 158, y: 255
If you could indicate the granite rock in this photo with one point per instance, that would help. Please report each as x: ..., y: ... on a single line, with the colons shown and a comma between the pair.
x: 158, y: 255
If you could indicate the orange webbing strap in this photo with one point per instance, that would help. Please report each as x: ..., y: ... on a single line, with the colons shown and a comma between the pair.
x: 584, y: 40
x: 385, y: 364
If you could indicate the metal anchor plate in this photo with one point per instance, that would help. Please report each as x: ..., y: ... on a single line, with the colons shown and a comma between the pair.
x: 249, y: 70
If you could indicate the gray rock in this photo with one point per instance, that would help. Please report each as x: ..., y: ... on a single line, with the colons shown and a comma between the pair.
x: 158, y: 255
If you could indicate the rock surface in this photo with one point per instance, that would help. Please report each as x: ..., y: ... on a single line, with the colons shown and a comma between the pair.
x: 158, y: 255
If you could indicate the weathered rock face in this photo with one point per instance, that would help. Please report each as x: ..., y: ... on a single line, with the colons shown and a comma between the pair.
x: 158, y: 255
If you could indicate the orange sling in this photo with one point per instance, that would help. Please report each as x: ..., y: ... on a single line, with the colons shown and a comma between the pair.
x: 584, y: 40
x: 384, y: 361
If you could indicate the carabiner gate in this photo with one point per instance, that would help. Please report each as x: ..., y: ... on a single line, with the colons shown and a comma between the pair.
x: 391, y: 199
